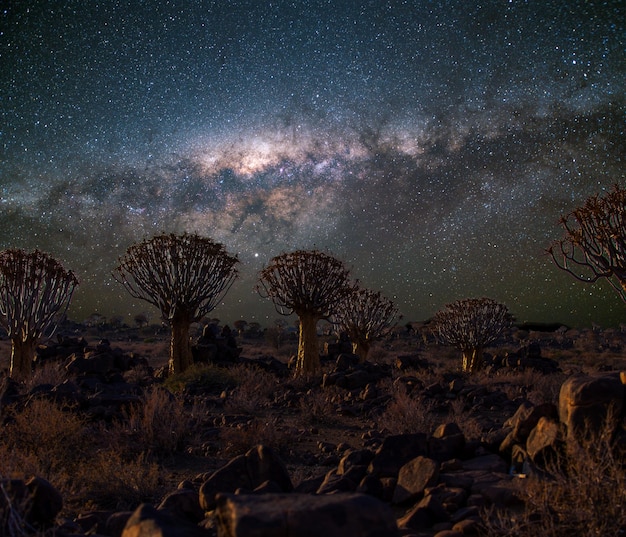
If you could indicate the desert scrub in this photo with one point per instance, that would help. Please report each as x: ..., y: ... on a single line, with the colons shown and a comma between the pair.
x: 112, y: 481
x: 319, y: 406
x: 253, y: 391
x: 239, y: 438
x: 158, y: 425
x: 405, y: 413
x: 49, y: 437
x: 584, y: 494
x: 207, y: 378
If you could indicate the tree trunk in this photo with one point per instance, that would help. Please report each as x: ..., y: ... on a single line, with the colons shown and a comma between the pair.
x: 180, y: 346
x: 308, y: 359
x: 361, y: 349
x: 22, y: 356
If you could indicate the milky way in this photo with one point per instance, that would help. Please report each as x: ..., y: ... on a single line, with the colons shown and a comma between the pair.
x: 431, y: 145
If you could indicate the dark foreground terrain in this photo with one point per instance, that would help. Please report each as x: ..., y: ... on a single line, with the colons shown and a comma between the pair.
x: 101, y: 442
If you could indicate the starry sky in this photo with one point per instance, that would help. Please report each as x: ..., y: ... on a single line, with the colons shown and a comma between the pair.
x: 430, y: 144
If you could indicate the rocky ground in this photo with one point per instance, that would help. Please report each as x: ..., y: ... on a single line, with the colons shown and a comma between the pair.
x: 101, y: 443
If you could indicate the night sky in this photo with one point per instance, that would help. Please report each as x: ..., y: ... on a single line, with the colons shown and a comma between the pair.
x: 431, y: 145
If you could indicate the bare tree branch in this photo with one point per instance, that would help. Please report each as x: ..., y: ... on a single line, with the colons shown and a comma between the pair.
x: 594, y: 244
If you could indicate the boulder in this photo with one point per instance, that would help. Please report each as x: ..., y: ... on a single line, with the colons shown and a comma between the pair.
x: 447, y: 442
x: 147, y: 521
x: 246, y: 472
x: 586, y: 402
x: 543, y: 443
x: 183, y: 504
x: 396, y: 451
x: 288, y: 515
x: 45, y: 502
x: 414, y: 477
x: 422, y: 516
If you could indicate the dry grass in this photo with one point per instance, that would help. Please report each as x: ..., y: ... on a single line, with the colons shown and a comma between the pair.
x: 238, y: 439
x: 113, y: 481
x: 44, y: 438
x: 159, y: 424
x: 584, y: 494
x: 253, y: 391
x: 406, y: 413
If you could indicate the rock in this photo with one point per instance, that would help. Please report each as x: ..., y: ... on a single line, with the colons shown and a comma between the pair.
x: 447, y: 442
x: 147, y: 521
x: 336, y: 483
x: 526, y: 418
x: 116, y: 523
x: 246, y: 472
x: 544, y: 441
x: 45, y: 502
x: 423, y: 515
x: 286, y: 515
x: 486, y: 463
x: 414, y: 477
x: 184, y: 504
x: 396, y: 451
x: 584, y: 403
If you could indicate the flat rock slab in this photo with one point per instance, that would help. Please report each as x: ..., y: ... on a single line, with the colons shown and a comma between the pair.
x: 303, y: 515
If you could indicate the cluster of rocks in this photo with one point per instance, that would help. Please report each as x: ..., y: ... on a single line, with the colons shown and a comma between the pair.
x: 410, y: 483
x: 526, y: 357
x: 397, y: 485
x: 101, y: 379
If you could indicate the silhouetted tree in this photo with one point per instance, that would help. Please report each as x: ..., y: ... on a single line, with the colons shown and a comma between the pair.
x: 594, y: 245
x: 184, y: 276
x: 240, y: 326
x: 35, y: 292
x: 470, y: 325
x: 310, y: 284
x: 366, y: 316
x: 141, y: 320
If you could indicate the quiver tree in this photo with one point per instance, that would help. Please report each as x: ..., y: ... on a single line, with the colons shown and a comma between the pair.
x: 470, y: 325
x: 184, y: 277
x: 35, y: 292
x: 310, y: 284
x: 594, y: 244
x: 366, y: 316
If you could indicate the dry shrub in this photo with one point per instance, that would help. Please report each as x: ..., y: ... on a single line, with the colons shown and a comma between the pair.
x: 534, y: 385
x: 208, y: 378
x: 46, y: 435
x: 406, y: 414
x: 113, y: 482
x: 319, y: 406
x: 584, y: 494
x: 470, y: 425
x: 239, y: 438
x: 253, y: 391
x: 49, y: 373
x: 159, y: 424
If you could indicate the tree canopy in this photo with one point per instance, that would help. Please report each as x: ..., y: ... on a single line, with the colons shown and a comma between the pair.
x: 184, y: 276
x: 365, y: 315
x: 470, y: 325
x: 35, y: 291
x: 594, y: 243
x: 310, y: 284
